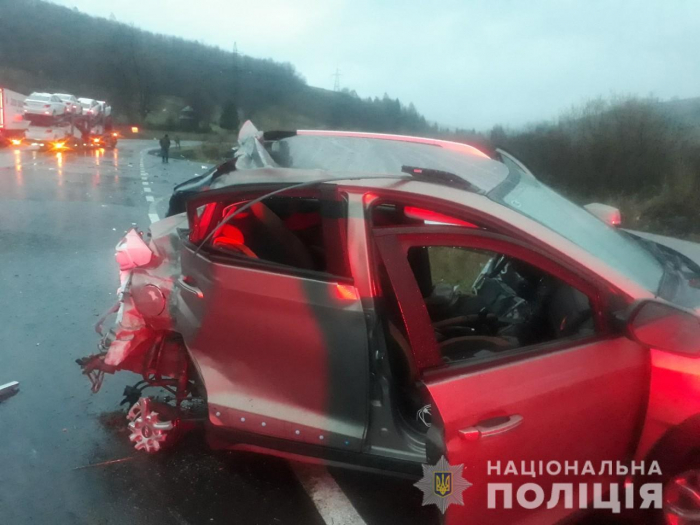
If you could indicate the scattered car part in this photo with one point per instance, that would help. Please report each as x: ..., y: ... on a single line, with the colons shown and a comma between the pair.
x: 8, y: 390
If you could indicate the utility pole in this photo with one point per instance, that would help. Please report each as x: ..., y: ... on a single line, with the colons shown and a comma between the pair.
x: 336, y: 84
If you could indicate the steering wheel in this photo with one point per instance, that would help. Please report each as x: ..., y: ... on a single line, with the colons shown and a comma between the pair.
x: 490, y: 270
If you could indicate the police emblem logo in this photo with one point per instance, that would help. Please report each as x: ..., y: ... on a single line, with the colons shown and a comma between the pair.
x: 442, y: 484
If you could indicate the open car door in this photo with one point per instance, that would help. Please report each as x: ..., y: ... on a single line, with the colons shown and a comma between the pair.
x: 282, y: 351
x: 510, y: 413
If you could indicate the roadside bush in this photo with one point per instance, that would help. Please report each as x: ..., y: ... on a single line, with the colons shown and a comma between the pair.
x: 213, y: 150
x: 625, y: 152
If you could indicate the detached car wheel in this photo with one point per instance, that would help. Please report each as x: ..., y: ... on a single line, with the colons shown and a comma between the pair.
x: 149, y: 429
x: 681, y: 498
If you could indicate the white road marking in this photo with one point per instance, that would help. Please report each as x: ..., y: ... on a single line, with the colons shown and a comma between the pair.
x: 152, y: 215
x: 331, y: 502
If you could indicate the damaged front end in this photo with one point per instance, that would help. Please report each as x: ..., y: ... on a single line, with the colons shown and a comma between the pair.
x: 142, y: 339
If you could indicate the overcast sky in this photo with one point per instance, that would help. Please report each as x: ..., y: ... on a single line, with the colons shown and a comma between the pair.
x: 462, y: 63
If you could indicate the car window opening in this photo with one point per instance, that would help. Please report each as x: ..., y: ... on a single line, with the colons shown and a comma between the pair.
x: 283, y: 230
x: 482, y: 306
x: 483, y: 303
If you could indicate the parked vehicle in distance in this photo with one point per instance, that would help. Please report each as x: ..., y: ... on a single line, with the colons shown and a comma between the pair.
x: 382, y: 301
x: 72, y: 104
x: 44, y: 104
x: 12, y: 122
x: 105, y: 108
x: 42, y: 120
x: 91, y: 129
x: 90, y: 106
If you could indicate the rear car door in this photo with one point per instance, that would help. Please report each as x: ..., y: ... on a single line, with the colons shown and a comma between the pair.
x: 282, y: 350
x: 506, y: 415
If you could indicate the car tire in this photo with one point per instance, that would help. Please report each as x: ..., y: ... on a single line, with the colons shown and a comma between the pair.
x: 680, y: 480
x: 681, y: 497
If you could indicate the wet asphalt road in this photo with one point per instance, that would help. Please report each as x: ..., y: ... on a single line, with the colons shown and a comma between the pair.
x: 60, y: 218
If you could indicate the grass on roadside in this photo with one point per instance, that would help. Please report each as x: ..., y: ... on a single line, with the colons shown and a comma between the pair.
x: 212, y: 152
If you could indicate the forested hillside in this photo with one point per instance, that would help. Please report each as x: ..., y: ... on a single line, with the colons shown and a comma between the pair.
x: 48, y: 47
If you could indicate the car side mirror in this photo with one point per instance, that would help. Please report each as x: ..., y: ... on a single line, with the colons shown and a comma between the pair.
x: 665, y: 327
x: 608, y: 214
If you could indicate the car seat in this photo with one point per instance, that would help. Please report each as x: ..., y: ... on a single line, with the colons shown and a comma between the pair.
x: 261, y: 234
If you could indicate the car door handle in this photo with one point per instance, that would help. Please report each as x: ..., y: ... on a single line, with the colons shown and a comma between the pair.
x: 189, y: 287
x: 491, y: 427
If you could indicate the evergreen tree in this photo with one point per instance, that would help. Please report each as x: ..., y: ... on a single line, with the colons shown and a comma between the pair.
x: 229, y: 116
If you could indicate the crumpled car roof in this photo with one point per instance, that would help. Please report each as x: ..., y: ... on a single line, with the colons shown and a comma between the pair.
x: 342, y: 154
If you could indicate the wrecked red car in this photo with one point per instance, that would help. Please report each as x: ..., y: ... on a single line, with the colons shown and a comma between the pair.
x: 380, y: 301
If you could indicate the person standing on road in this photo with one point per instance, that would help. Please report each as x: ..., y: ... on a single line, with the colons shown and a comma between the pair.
x: 177, y: 141
x: 165, y: 148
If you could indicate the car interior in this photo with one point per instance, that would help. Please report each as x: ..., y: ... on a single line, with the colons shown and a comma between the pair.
x: 481, y: 304
x: 285, y: 230
x: 510, y: 304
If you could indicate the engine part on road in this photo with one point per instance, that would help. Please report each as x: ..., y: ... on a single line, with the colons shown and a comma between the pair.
x: 148, y: 431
